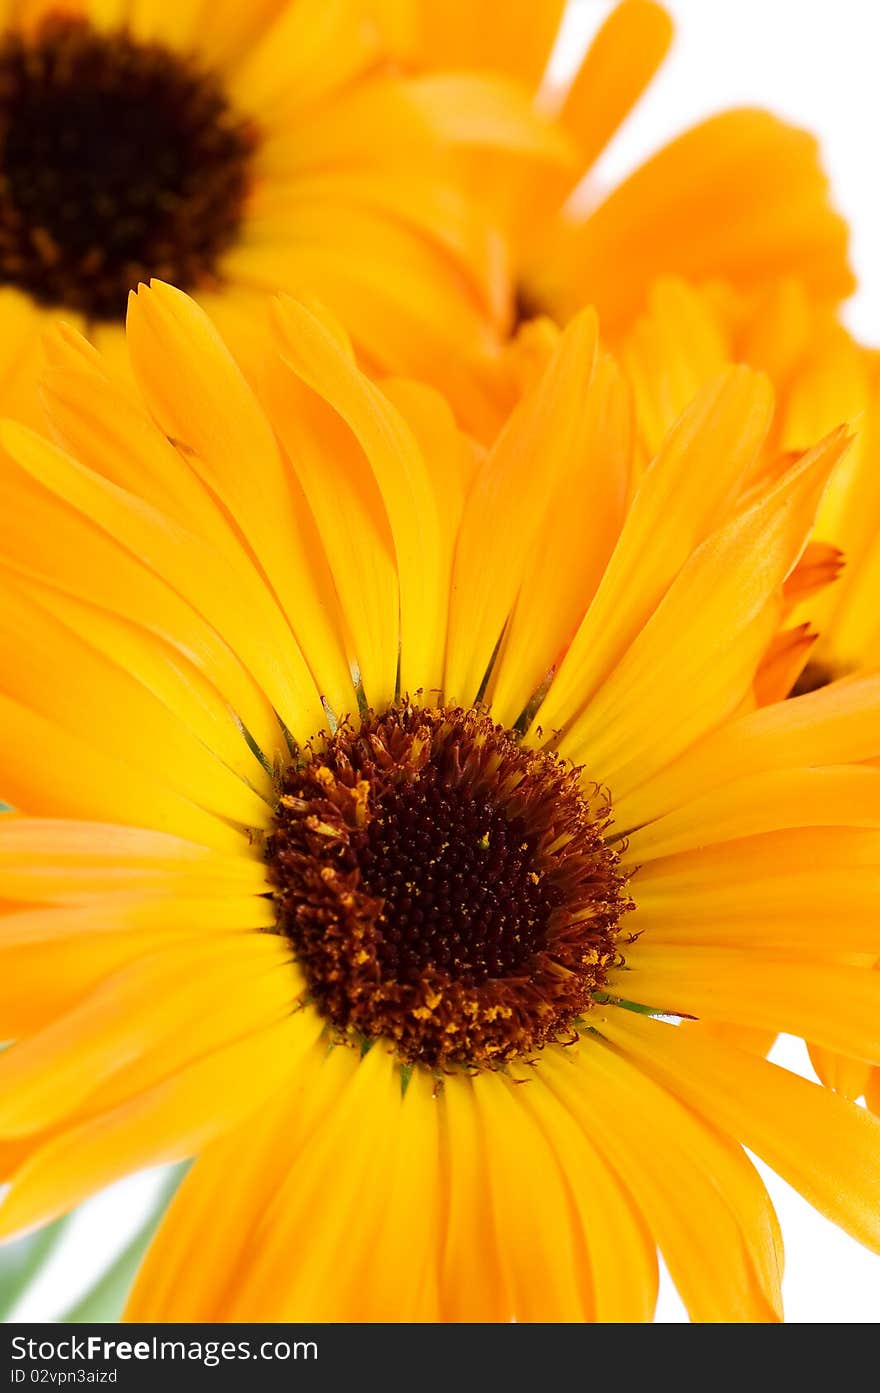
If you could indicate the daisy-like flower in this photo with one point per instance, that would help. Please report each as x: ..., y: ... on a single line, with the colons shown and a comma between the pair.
x: 740, y: 197
x: 372, y: 801
x: 267, y: 145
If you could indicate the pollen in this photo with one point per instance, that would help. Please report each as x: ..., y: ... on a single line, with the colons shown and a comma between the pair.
x: 466, y: 907
x: 119, y: 161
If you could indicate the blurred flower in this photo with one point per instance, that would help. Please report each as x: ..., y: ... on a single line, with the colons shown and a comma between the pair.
x: 739, y: 197
x: 267, y: 146
x: 373, y: 801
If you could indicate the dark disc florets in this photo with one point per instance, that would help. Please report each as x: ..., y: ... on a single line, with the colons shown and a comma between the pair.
x: 445, y: 888
x: 119, y: 161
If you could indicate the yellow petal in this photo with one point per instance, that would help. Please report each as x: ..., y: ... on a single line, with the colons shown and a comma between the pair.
x: 781, y: 889
x: 42, y: 537
x: 622, y: 1254
x: 334, y: 1242
x: 851, y: 1077
x: 21, y: 354
x: 236, y: 601
x: 410, y: 1233
x: 218, y: 1220
x: 822, y: 1145
x: 400, y: 471
x: 471, y: 1287
x: 310, y: 50
x: 167, y: 1123
x: 671, y: 353
x: 783, y: 664
x: 561, y: 574
x: 200, y: 399
x: 177, y: 25
x: 400, y: 295
x: 541, y: 1255
x: 347, y: 506
x: 239, y: 983
x: 74, y: 778
x: 486, y: 110
x: 740, y: 197
x: 102, y: 703
x: 102, y: 421
x: 699, y: 1195
x: 46, y: 979
x: 453, y: 34
x: 168, y: 676
x: 838, y: 725
x: 830, y: 797
x: 696, y: 657
x: 49, y: 860
x: 451, y: 463
x: 622, y: 59
x: 837, y: 1006
x: 512, y: 496
x: 682, y: 497
x: 53, y: 957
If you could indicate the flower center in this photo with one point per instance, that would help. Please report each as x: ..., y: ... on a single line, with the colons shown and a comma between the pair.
x: 444, y: 887
x: 118, y: 162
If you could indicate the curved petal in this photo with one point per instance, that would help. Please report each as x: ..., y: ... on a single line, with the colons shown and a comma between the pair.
x: 740, y: 197
x: 824, y: 1146
x: 52, y: 860
x: 618, y: 66
x: 621, y: 1252
x: 229, y: 986
x: 682, y: 498
x: 166, y: 1123
x: 696, y: 657
x: 541, y: 1254
x: 512, y: 496
x: 839, y: 724
x: 200, y: 399
x: 700, y: 1196
x: 758, y: 988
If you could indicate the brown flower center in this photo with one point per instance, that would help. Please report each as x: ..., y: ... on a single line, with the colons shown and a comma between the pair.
x: 118, y: 161
x: 444, y: 887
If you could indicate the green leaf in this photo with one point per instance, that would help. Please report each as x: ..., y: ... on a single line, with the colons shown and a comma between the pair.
x: 21, y: 1261
x: 105, y: 1300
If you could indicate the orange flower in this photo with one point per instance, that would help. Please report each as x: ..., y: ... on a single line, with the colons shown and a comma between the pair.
x: 391, y: 965
x: 740, y: 197
x: 266, y: 146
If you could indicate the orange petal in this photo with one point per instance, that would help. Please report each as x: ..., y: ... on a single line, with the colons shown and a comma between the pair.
x: 622, y: 59
x: 824, y: 1146
x: 699, y: 1195
x: 740, y: 197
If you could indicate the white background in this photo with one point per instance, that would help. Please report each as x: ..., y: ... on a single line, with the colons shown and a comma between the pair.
x: 815, y: 62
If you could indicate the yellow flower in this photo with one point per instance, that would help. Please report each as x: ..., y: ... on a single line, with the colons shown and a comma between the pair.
x: 740, y: 197
x: 267, y: 145
x: 364, y: 791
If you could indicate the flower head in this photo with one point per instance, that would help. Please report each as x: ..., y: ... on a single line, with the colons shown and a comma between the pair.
x: 267, y: 146
x: 392, y: 792
x: 739, y: 198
